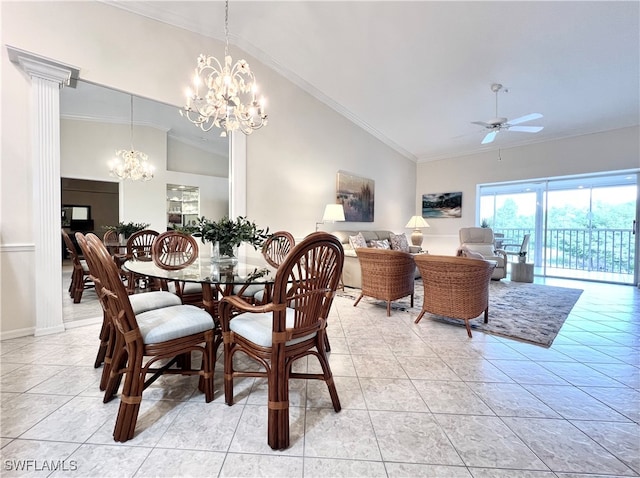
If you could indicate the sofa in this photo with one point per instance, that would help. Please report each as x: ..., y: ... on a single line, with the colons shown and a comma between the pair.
x: 351, y: 273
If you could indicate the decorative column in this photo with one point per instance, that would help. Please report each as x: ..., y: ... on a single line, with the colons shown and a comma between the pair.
x: 47, y: 77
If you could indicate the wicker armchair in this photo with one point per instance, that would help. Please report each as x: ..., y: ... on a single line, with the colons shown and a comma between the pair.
x: 291, y: 326
x: 386, y: 275
x: 455, y: 287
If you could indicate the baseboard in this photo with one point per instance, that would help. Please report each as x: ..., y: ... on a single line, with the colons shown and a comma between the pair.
x: 82, y: 323
x: 14, y: 334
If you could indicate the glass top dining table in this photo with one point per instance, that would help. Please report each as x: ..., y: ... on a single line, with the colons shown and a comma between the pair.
x: 217, y: 278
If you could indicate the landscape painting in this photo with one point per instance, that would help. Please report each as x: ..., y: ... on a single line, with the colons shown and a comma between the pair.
x: 442, y: 205
x: 356, y: 194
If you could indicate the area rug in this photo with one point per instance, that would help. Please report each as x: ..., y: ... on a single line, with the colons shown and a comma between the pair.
x: 528, y: 312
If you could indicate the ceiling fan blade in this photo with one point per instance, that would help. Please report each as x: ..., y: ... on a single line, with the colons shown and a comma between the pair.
x: 482, y: 123
x: 526, y: 129
x: 489, y: 137
x: 524, y: 119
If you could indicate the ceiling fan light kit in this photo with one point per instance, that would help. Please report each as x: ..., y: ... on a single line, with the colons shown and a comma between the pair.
x: 500, y: 123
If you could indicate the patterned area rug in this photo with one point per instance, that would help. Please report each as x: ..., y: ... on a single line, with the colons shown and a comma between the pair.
x: 528, y: 312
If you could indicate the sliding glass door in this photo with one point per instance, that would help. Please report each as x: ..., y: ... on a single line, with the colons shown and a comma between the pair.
x: 581, y: 227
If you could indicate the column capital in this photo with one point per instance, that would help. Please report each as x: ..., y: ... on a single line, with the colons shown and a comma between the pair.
x: 40, y: 67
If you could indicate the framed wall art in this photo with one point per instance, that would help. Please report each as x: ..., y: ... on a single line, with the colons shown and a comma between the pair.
x: 356, y: 194
x: 442, y: 205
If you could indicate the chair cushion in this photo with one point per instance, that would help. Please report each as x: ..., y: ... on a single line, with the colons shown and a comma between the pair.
x: 357, y: 241
x: 250, y: 291
x: 258, y: 327
x: 399, y: 242
x: 191, y: 288
x: 146, y: 301
x: 161, y: 325
x: 484, y: 249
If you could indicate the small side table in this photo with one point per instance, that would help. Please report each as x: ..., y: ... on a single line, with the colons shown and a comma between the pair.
x: 521, y: 272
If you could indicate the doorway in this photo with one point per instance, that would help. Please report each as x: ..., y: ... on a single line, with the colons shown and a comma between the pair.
x: 580, y: 227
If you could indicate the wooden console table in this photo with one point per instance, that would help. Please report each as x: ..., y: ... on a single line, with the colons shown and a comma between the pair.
x: 521, y: 272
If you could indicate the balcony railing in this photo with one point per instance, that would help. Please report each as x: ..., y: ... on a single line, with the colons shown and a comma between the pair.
x: 601, y: 250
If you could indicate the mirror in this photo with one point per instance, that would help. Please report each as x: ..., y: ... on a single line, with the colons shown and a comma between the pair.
x: 95, y: 103
x: 96, y: 121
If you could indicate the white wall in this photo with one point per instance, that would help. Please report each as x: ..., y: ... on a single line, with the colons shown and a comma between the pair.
x: 291, y: 163
x: 607, y: 151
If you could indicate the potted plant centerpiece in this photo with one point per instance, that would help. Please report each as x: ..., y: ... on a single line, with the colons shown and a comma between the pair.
x: 226, y: 235
x: 128, y: 228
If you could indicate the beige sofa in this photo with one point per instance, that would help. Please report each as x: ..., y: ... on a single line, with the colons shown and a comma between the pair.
x: 351, y: 274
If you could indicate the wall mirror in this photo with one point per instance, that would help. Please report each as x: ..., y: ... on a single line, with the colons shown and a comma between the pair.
x: 91, y: 114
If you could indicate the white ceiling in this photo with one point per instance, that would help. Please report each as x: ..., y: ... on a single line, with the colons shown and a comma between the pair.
x: 416, y: 74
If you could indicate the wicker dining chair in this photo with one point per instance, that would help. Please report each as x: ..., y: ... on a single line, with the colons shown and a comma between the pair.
x: 455, y: 287
x: 275, y: 250
x: 386, y: 275
x: 80, y: 278
x: 289, y: 327
x: 140, y: 303
x: 161, y: 336
x: 139, y: 247
x: 173, y: 250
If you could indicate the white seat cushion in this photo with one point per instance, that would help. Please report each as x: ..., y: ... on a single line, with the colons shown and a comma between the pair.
x: 250, y: 291
x: 146, y: 301
x: 191, y: 288
x: 258, y: 327
x: 161, y: 325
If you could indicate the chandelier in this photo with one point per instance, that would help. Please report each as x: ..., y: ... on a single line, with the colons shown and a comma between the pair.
x: 229, y: 102
x: 129, y: 163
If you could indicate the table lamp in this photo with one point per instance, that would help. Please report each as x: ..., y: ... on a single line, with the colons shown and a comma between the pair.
x: 415, y: 223
x: 332, y: 213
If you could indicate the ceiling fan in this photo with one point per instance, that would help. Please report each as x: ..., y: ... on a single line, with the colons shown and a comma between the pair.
x: 499, y: 123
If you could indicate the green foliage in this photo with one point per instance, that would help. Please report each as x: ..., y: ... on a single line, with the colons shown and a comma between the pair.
x: 128, y: 228
x: 230, y: 233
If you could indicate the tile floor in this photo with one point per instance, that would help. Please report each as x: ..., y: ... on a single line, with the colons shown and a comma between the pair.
x: 418, y: 400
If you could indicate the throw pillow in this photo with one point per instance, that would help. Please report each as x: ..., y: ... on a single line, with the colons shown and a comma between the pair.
x: 399, y: 242
x: 357, y: 241
x: 383, y: 244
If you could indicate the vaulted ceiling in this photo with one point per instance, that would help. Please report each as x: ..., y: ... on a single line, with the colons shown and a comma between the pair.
x: 416, y: 74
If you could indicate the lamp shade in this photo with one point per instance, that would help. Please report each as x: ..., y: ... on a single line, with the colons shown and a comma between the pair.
x: 333, y: 213
x: 416, y: 222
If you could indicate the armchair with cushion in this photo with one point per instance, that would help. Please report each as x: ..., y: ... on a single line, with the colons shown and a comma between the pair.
x: 479, y: 243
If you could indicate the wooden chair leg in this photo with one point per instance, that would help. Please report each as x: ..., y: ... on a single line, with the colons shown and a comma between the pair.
x: 486, y: 315
x: 228, y: 373
x: 466, y: 323
x: 388, y: 308
x: 357, y: 300
x: 327, y: 345
x: 328, y: 378
x: 278, y: 406
x: 419, y: 317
